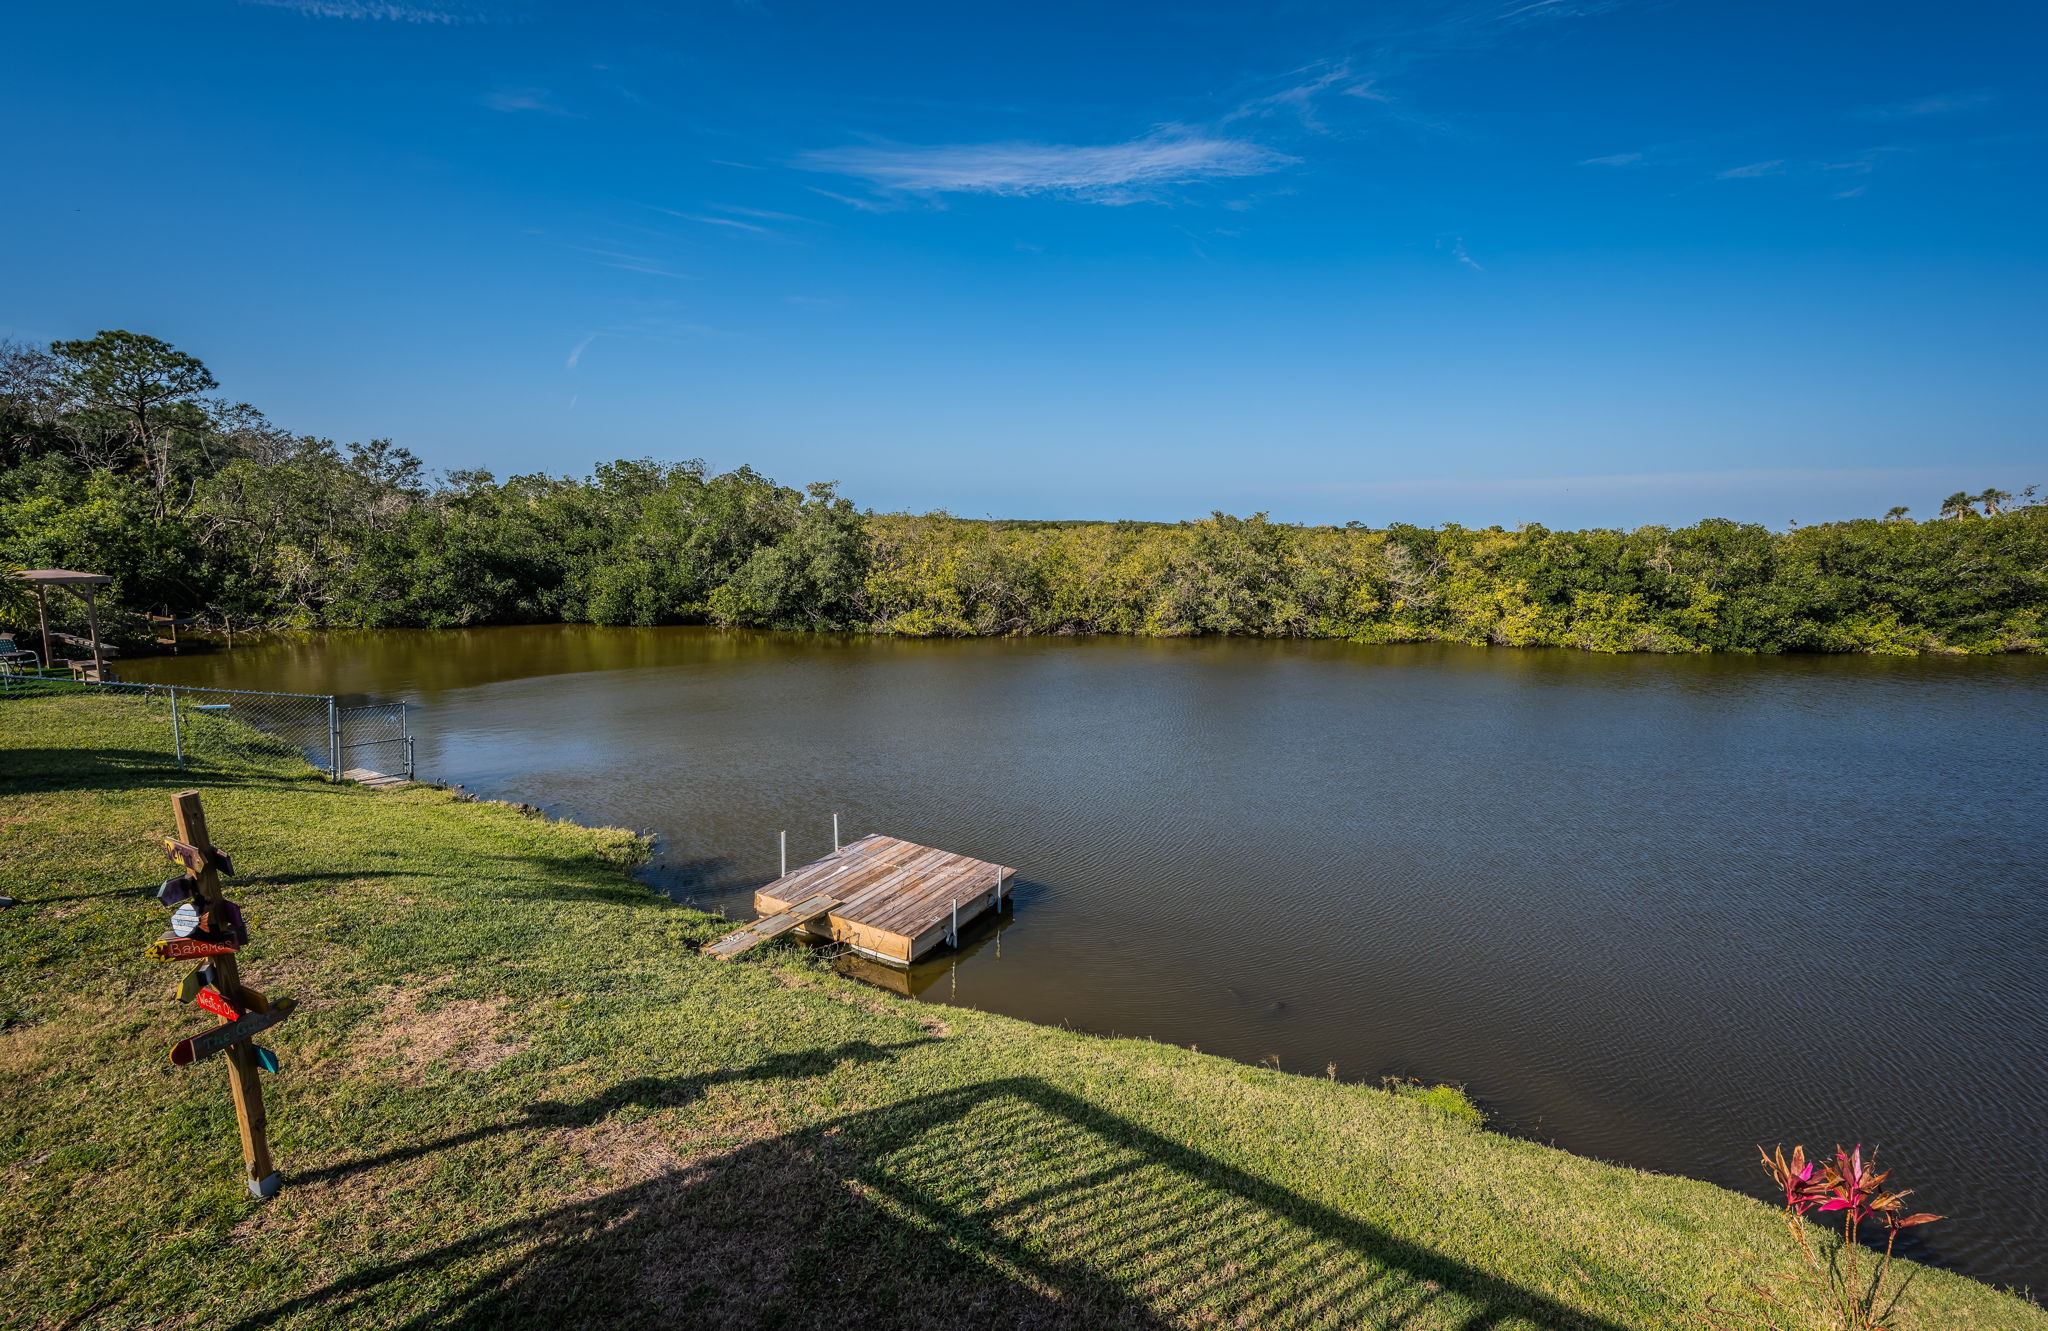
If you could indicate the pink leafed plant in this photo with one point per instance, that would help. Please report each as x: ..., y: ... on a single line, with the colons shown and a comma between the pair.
x: 1853, y: 1188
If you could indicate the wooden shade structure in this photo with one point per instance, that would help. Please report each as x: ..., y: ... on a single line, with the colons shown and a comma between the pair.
x: 82, y: 583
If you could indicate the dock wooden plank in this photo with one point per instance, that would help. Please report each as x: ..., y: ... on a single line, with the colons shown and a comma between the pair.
x: 932, y: 896
x: 852, y: 867
x: 760, y: 931
x: 896, y: 878
x: 965, y: 881
x: 887, y: 875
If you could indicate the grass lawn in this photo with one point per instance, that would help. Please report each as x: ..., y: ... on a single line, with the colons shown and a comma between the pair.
x: 513, y: 1096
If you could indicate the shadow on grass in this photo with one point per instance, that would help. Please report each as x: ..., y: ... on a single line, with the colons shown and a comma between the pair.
x: 27, y: 769
x: 640, y: 1092
x: 1006, y: 1203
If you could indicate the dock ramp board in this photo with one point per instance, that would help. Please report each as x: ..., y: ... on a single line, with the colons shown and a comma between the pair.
x: 774, y: 926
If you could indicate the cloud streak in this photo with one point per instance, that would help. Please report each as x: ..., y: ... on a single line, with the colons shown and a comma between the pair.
x: 374, y: 10
x: 1111, y: 173
x: 1944, y: 103
x: 1753, y: 170
x: 523, y: 99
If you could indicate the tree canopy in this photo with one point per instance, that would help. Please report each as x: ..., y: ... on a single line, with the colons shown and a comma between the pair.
x: 114, y: 457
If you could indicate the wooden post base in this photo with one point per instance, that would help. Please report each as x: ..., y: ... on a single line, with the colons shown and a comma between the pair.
x: 264, y: 1189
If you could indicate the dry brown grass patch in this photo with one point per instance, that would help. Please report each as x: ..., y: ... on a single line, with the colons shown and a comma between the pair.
x: 463, y: 1034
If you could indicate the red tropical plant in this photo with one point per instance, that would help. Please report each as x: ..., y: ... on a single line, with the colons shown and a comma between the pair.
x: 1853, y: 1187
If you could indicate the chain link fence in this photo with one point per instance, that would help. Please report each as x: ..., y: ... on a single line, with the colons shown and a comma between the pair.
x: 207, y: 727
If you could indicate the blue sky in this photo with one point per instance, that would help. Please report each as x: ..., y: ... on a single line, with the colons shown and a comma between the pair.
x: 1570, y: 261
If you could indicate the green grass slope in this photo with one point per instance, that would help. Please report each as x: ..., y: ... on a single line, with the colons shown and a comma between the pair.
x: 514, y: 1097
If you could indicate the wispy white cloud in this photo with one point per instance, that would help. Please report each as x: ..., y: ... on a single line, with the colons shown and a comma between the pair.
x: 734, y: 223
x: 865, y: 205
x: 624, y: 256
x: 1943, y: 103
x: 1850, y: 193
x: 1102, y: 173
x: 1775, y: 167
x: 651, y: 269
x: 387, y: 10
x: 1615, y: 159
x: 576, y: 353
x: 523, y: 99
x: 1302, y: 89
x: 1862, y: 163
x: 1518, y: 12
x: 764, y: 214
x: 1458, y: 253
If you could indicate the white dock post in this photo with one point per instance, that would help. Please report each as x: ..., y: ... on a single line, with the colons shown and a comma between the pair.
x: 784, y: 834
x: 954, y: 939
x: 835, y: 833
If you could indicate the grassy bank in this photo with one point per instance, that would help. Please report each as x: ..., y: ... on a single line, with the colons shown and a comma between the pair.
x: 513, y: 1096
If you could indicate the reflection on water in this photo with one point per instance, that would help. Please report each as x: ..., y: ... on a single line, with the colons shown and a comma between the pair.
x: 937, y: 977
x: 1653, y: 909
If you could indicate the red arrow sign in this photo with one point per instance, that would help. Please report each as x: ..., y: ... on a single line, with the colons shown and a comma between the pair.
x: 218, y: 1006
x: 211, y: 1042
x: 183, y: 949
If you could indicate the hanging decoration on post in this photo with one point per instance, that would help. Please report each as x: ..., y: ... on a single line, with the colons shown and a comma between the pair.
x: 205, y: 924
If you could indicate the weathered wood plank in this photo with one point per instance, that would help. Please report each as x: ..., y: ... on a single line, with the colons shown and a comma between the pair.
x: 760, y: 931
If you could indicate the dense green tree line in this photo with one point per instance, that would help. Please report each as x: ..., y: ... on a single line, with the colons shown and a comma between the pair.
x: 114, y: 457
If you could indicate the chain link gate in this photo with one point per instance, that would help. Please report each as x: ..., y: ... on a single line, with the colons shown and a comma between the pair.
x: 247, y: 728
x: 379, y: 729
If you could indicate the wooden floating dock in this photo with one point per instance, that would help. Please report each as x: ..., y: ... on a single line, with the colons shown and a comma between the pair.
x: 887, y: 899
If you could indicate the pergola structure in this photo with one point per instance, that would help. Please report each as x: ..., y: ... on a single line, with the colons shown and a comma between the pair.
x: 82, y: 584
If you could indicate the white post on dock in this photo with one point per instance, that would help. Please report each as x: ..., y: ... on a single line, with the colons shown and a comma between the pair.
x: 954, y: 938
x: 999, y: 890
x: 835, y: 833
x: 784, y: 835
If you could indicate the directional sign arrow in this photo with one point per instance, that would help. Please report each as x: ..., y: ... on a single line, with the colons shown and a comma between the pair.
x: 194, y: 859
x: 188, y: 988
x: 218, y: 1006
x: 227, y: 919
x: 265, y: 1059
x: 183, y: 949
x: 211, y: 1042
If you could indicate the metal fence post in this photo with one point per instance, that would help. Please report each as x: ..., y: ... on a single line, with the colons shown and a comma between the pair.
x: 177, y: 731
x: 333, y: 740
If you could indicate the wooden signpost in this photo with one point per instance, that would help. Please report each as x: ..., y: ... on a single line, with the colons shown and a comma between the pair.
x: 217, y: 987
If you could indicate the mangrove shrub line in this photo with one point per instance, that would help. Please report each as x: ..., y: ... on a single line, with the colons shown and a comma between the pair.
x: 115, y: 457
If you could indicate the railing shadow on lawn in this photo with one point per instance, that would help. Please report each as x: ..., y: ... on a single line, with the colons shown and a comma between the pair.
x: 1006, y: 1203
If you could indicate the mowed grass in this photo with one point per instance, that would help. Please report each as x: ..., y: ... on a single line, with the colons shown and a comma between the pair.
x: 513, y: 1096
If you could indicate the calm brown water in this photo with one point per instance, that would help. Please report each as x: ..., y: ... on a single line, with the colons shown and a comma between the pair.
x: 1655, y: 910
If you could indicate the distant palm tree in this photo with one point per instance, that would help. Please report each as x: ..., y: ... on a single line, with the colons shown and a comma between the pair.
x: 1991, y: 499
x: 1959, y: 505
x: 1897, y: 514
